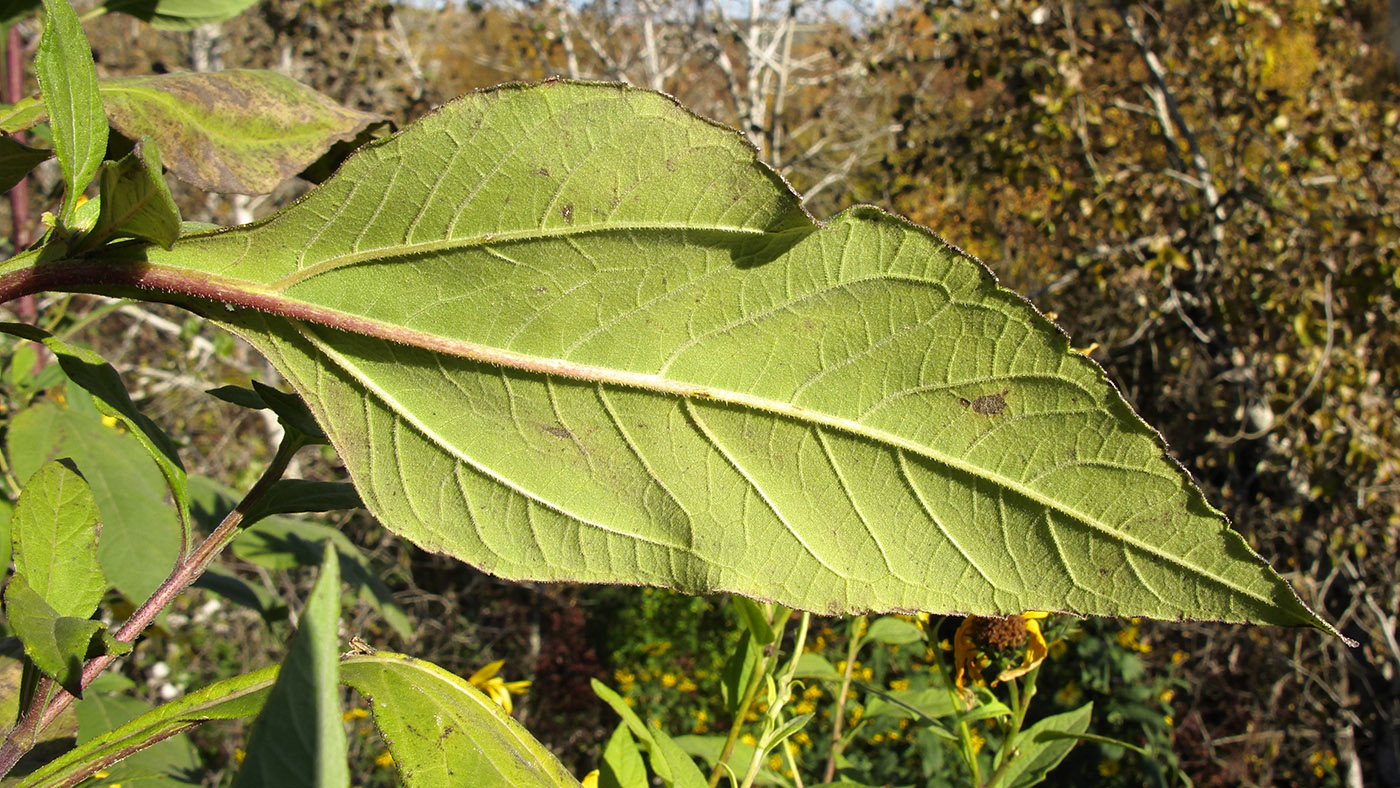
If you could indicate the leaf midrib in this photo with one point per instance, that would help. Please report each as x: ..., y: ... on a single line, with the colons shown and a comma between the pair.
x: 662, y: 385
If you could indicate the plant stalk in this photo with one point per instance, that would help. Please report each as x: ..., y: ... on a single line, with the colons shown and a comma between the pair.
x: 852, y: 648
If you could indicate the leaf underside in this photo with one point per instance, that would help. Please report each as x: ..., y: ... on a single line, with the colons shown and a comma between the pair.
x: 573, y: 332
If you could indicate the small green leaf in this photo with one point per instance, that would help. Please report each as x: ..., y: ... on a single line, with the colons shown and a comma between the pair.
x: 140, y: 531
x: 814, y: 666
x: 738, y: 672
x: 755, y: 619
x: 237, y: 395
x: 22, y: 114
x: 54, y: 533
x: 136, y: 201
x: 622, y: 765
x: 18, y: 160
x: 445, y: 733
x: 668, y: 761
x: 789, y: 727
x: 58, y: 644
x: 299, y: 736
x: 291, y: 410
x: 98, y: 378
x: 179, y: 15
x: 234, y: 698
x: 892, y: 632
x: 7, y: 511
x: 242, y: 132
x: 1038, y: 752
x: 68, y: 81
x: 295, y: 496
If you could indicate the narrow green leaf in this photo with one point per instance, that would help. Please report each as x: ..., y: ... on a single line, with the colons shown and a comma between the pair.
x: 18, y: 160
x: 242, y: 132
x: 921, y: 704
x: 299, y: 736
x: 445, y: 733
x: 789, y: 727
x: 54, y: 534
x: 136, y: 202
x: 622, y: 765
x: 7, y: 511
x: 98, y: 378
x: 293, y: 496
x: 755, y: 619
x: 892, y: 632
x: 22, y: 114
x: 68, y: 81
x: 98, y: 713
x: 140, y: 531
x: 235, y: 698
x: 668, y: 761
x: 58, y: 644
x: 738, y: 672
x: 179, y: 15
x: 237, y: 395
x: 1038, y: 753
x: 291, y: 411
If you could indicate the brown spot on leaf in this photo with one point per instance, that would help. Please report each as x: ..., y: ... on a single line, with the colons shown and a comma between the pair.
x: 542, y: 172
x: 568, y: 213
x: 987, y: 404
x: 558, y: 432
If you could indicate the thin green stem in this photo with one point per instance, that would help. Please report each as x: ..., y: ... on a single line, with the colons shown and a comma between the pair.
x: 782, y: 692
x: 186, y: 571
x: 735, y: 727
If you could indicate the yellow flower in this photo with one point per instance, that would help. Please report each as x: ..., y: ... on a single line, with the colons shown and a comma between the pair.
x: 498, y: 688
x: 354, y: 714
x: 977, y: 635
x: 384, y: 760
x: 590, y: 780
x: 1036, y: 650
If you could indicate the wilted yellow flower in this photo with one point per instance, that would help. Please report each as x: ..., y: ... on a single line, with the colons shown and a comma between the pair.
x: 498, y: 688
x: 977, y: 637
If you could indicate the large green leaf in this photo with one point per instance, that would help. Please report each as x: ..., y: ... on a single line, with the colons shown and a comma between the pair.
x: 574, y: 332
x: 443, y: 732
x: 299, y: 736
